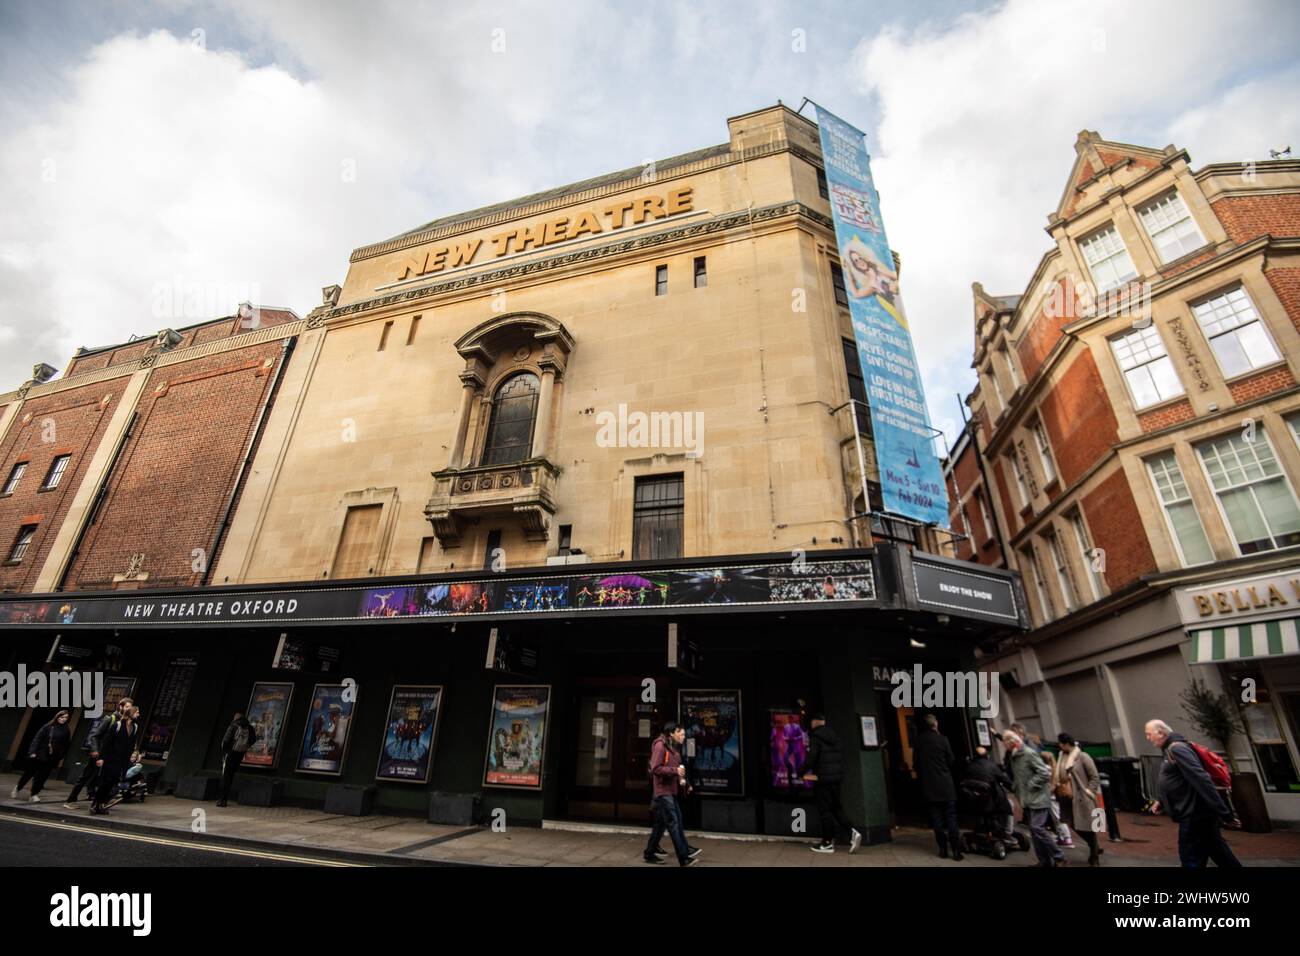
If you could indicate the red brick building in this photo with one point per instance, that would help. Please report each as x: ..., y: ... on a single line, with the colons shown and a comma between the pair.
x: 1133, y: 446
x: 124, y: 472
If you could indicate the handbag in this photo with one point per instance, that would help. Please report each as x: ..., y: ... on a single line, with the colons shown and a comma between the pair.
x: 1065, y: 789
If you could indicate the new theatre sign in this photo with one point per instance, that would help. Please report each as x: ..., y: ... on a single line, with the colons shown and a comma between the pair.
x: 845, y: 582
x: 593, y: 221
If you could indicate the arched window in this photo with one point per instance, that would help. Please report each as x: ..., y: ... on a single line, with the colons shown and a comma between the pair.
x: 514, y: 412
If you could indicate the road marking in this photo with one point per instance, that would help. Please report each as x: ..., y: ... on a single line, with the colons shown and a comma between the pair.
x: 182, y: 844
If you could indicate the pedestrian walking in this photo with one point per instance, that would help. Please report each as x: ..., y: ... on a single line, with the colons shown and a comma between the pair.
x: 115, y: 741
x: 1033, y: 783
x: 239, y: 737
x: 1078, y: 789
x: 936, y: 767
x: 47, y: 749
x: 1063, y: 838
x: 825, y: 768
x: 88, y: 779
x: 1189, y: 797
x: 668, y: 780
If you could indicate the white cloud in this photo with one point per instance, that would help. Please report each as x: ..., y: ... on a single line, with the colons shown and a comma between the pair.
x: 979, y: 118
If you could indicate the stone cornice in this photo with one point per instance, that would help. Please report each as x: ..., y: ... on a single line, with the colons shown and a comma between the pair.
x: 157, y: 360
x: 586, y: 195
x: 732, y: 220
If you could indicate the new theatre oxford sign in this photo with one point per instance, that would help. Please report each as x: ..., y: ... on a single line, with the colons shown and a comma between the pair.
x: 589, y: 222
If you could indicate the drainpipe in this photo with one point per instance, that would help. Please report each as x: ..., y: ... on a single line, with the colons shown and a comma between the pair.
x: 224, y: 526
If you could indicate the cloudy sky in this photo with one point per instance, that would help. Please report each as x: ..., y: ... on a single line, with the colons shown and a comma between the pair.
x: 163, y: 160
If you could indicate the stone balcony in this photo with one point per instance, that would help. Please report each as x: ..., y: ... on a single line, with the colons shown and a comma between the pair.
x: 461, y: 496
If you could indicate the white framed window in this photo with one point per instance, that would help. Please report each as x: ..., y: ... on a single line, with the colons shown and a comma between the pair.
x: 1171, y: 227
x: 1294, y: 422
x: 1082, y: 542
x: 1044, y: 450
x: 997, y: 386
x: 1236, y: 334
x: 1063, y: 579
x: 1146, y: 365
x: 984, y: 514
x: 1011, y: 366
x: 57, y: 468
x: 1253, y: 492
x: 15, y: 476
x: 1020, y: 480
x: 22, y: 542
x: 1045, y: 605
x: 1107, y: 259
x: 1180, y: 512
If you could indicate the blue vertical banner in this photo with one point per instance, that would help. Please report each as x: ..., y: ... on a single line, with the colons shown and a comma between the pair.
x: 911, y: 479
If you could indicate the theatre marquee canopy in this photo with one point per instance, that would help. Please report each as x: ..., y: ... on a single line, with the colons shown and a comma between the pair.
x: 809, y: 581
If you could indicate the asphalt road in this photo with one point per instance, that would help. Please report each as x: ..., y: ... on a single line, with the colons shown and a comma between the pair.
x: 26, y: 842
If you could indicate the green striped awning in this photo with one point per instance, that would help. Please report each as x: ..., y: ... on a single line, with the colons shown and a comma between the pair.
x: 1243, y: 641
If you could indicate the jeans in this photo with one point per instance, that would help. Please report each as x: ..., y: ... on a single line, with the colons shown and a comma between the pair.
x: 668, y: 817
x: 85, y: 780
x: 1199, y: 840
x: 830, y: 810
x: 229, y: 765
x: 943, y: 820
x: 37, y: 772
x: 1044, y: 839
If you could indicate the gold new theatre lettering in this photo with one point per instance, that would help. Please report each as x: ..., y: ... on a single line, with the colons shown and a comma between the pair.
x: 589, y: 222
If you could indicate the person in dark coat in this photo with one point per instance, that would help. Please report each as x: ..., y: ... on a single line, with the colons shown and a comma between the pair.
x: 88, y: 779
x: 47, y: 749
x: 936, y: 768
x: 984, y: 769
x: 238, y: 739
x: 667, y: 782
x: 113, y: 744
x: 1190, y: 799
x: 825, y: 768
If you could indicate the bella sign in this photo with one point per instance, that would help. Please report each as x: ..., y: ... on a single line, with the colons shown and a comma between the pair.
x: 589, y: 222
x: 1240, y: 598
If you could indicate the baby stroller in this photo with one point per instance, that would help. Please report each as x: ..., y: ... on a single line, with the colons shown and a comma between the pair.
x: 987, y: 802
x: 133, y: 785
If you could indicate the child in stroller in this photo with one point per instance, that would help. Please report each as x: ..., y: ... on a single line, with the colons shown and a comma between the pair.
x: 133, y: 785
x: 983, y: 795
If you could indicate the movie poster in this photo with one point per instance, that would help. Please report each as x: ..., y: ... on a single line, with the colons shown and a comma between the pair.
x: 516, y: 736
x: 115, y: 688
x: 325, y: 737
x: 409, y: 734
x: 165, y: 717
x: 720, y: 586
x: 712, y: 722
x: 268, y: 711
x: 789, y: 751
x: 621, y: 590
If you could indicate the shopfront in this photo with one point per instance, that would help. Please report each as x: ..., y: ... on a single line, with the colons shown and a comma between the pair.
x: 1247, y: 631
x: 537, y: 693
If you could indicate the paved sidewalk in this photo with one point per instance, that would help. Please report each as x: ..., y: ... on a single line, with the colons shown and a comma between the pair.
x: 1150, y: 841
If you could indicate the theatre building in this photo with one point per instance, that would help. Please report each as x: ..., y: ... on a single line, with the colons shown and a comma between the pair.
x: 536, y: 478
x: 1134, y: 451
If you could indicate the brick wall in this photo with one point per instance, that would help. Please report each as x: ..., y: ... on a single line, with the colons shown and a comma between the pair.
x: 1117, y: 529
x: 1246, y: 217
x: 1045, y: 330
x: 171, y: 484
x: 1263, y: 383
x: 1166, y: 416
x: 1286, y: 283
x: 1079, y: 419
x: 68, y: 422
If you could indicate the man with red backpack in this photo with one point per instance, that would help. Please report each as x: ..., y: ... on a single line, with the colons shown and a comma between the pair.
x: 1190, y: 797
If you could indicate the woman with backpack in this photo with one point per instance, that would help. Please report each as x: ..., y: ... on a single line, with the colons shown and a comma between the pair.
x: 1190, y: 799
x: 237, y: 741
x: 47, y: 749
